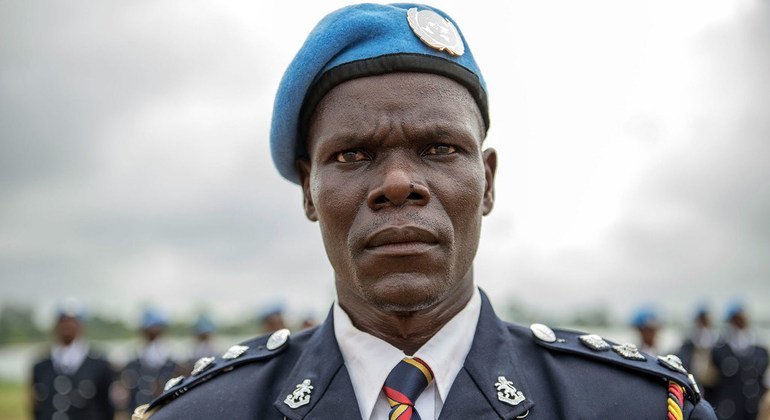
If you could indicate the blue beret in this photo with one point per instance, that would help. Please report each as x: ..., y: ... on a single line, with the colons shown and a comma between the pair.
x: 365, y: 40
x: 204, y: 325
x: 645, y: 317
x: 734, y: 308
x: 273, y: 308
x: 153, y: 318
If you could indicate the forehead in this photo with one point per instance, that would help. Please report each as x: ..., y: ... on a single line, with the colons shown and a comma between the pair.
x: 415, y: 100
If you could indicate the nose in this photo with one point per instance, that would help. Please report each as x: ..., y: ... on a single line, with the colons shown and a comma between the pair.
x: 398, y: 188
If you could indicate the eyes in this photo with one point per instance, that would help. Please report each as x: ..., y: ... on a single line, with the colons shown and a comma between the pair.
x: 359, y: 155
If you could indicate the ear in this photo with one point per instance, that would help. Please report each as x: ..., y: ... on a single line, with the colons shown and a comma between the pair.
x: 303, y: 168
x: 490, y: 166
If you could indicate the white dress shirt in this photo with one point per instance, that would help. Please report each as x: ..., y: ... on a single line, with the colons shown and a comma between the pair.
x: 369, y: 360
x: 67, y: 359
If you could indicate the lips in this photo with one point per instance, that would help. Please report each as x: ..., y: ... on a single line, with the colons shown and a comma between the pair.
x: 401, y: 240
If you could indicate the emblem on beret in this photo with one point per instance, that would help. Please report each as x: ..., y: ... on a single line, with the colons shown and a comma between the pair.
x: 508, y: 393
x: 435, y: 31
x: 594, y: 342
x: 629, y: 351
x: 300, y: 396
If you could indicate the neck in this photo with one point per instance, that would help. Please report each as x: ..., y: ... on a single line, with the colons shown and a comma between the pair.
x: 407, y: 331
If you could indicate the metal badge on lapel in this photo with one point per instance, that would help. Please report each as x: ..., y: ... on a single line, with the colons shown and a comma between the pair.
x: 172, y: 383
x: 508, y: 393
x: 234, y: 352
x: 671, y: 361
x: 278, y: 339
x: 594, y: 342
x: 543, y: 332
x: 629, y: 351
x: 300, y: 396
x: 435, y: 31
x: 202, y: 364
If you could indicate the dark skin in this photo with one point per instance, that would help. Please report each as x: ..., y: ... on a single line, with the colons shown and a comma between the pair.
x: 397, y: 179
x: 67, y: 329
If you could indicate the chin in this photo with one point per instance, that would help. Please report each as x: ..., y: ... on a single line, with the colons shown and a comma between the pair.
x: 404, y: 292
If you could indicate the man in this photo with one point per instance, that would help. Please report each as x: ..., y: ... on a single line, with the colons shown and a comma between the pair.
x: 647, y: 325
x: 695, y: 352
x: 144, y: 376
x: 742, y: 365
x: 73, y: 382
x: 381, y: 118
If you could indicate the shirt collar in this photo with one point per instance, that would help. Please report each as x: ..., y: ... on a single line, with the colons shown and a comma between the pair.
x: 445, y: 353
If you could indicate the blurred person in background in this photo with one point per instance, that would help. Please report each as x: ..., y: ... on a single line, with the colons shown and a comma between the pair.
x: 742, y: 366
x: 203, y: 329
x: 271, y: 318
x: 647, y: 324
x: 309, y: 320
x: 143, y: 377
x: 695, y: 352
x: 72, y: 381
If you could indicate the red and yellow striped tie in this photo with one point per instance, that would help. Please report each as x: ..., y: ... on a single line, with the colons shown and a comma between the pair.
x: 404, y: 384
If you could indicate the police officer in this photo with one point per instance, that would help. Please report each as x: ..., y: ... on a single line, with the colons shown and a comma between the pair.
x: 73, y: 381
x: 742, y: 365
x: 144, y: 376
x: 380, y: 119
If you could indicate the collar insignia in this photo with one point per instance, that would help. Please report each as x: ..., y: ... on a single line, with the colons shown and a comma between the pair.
x: 300, y: 396
x: 508, y: 393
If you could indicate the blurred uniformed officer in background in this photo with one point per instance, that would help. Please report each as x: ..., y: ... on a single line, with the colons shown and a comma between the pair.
x: 647, y: 323
x: 742, y: 366
x: 144, y: 376
x: 381, y: 119
x: 72, y: 381
x: 696, y: 350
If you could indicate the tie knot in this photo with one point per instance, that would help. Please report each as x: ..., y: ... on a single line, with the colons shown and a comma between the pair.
x: 407, y: 381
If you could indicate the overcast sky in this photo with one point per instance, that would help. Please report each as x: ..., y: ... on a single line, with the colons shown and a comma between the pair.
x: 134, y: 164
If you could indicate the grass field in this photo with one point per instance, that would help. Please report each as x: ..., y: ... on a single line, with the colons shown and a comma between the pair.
x: 13, y: 399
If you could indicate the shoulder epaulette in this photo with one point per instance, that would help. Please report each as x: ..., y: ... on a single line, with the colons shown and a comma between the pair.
x: 206, y: 368
x: 626, y: 355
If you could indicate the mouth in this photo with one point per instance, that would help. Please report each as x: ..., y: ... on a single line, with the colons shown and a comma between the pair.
x: 401, y: 241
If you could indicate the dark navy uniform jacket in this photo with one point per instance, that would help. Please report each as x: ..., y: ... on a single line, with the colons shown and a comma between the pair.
x: 559, y: 380
x: 82, y: 395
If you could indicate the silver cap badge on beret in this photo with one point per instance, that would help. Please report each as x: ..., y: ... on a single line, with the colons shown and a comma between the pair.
x: 202, y: 364
x: 543, y: 332
x: 435, y: 31
x: 594, y: 342
x: 629, y: 351
x: 278, y: 338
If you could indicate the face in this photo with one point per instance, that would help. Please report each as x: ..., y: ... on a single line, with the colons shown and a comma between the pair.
x: 67, y: 329
x: 397, y: 179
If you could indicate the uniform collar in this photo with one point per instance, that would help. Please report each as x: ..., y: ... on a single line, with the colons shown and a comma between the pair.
x: 493, y: 354
x: 369, y: 359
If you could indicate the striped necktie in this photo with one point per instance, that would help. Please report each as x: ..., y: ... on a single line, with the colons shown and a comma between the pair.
x: 404, y: 384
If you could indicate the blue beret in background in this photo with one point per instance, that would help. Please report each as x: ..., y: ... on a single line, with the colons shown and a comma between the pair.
x: 153, y: 318
x: 204, y: 325
x: 358, y: 41
x: 645, y: 317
